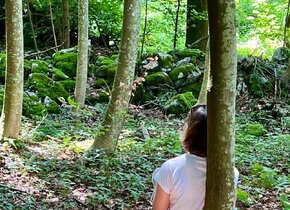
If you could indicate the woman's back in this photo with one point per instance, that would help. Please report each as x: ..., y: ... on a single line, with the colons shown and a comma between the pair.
x: 184, y: 179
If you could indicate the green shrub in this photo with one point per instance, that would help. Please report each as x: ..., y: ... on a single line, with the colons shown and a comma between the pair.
x: 256, y: 129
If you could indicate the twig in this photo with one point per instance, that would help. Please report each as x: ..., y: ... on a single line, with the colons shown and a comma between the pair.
x: 44, y: 51
x: 194, y: 44
x: 43, y: 118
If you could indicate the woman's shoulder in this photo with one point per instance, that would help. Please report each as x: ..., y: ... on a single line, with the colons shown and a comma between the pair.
x: 174, y: 161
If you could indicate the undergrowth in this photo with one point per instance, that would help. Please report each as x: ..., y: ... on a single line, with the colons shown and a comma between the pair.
x: 47, y: 169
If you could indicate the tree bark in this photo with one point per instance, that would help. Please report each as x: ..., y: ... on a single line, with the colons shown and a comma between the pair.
x: 12, y: 106
x: 118, y: 105
x: 206, y: 83
x: 66, y: 24
x: 82, y: 65
x: 220, y: 193
x: 196, y: 27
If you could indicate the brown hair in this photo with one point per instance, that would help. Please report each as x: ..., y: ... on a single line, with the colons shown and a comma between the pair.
x: 194, y: 137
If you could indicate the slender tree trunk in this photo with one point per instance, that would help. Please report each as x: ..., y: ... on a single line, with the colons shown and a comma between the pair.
x: 196, y: 27
x: 82, y: 66
x: 32, y: 26
x: 118, y: 105
x: 66, y: 23
x: 12, y: 106
x: 206, y: 83
x: 220, y: 192
x: 145, y: 27
x: 52, y: 25
x: 176, y: 24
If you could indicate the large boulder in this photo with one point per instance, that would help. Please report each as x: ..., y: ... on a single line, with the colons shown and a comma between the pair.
x: 181, y: 54
x: 45, y: 86
x: 67, y: 62
x: 180, y: 104
x: 32, y: 105
x: 158, y: 80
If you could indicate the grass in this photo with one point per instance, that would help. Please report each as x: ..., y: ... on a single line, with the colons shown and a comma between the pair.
x: 46, y: 169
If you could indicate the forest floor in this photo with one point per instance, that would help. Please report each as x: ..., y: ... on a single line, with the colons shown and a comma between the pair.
x: 46, y: 167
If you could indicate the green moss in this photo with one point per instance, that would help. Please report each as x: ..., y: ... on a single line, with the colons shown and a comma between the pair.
x: 32, y: 106
x: 256, y: 129
x: 70, y: 57
x: 58, y: 74
x: 180, y: 104
x: 46, y: 87
x: 39, y: 66
x: 165, y: 60
x: 158, y: 79
x: 193, y: 87
x: 103, y: 97
x: 27, y: 69
x: 181, y: 54
x: 68, y: 68
x: 52, y: 106
x: 106, y: 71
x: 68, y: 85
x: 101, y: 83
x: 67, y: 62
x: 180, y: 74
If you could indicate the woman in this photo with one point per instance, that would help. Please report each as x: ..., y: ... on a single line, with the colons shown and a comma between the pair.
x: 180, y: 182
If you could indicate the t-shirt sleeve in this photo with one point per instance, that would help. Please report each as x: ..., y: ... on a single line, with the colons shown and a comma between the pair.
x: 163, y: 177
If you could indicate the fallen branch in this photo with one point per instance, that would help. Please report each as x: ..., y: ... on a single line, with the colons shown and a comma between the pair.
x: 44, y: 51
x: 195, y: 44
x: 14, y: 189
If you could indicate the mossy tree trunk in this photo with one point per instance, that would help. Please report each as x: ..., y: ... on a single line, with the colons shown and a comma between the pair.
x: 220, y: 193
x: 118, y: 105
x: 12, y: 105
x: 66, y: 24
x: 82, y: 63
x: 202, y: 98
x: 196, y: 23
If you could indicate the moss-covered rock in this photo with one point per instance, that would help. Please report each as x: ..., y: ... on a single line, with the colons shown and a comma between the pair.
x: 68, y: 68
x: 165, y: 60
x: 67, y: 62
x: 158, y: 79
x: 32, y: 106
x: 180, y: 54
x: 27, y: 69
x: 193, y: 87
x: 46, y: 87
x: 180, y: 74
x: 58, y: 74
x: 180, y: 104
x: 256, y: 129
x: 39, y: 66
x: 51, y: 106
x: 257, y: 85
x: 68, y: 85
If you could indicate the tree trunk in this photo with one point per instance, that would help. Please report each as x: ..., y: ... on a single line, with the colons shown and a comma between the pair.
x: 32, y: 26
x: 176, y: 25
x: 206, y: 83
x: 12, y: 105
x: 66, y: 26
x: 82, y: 66
x: 196, y: 26
x: 52, y: 25
x: 118, y: 105
x: 220, y: 193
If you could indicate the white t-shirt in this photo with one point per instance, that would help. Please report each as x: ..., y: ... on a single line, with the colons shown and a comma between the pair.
x: 184, y: 179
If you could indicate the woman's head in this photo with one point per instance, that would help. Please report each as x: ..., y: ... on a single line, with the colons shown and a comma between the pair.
x: 194, y: 137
